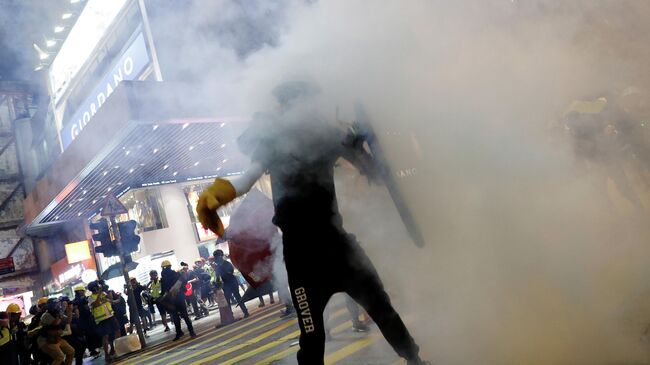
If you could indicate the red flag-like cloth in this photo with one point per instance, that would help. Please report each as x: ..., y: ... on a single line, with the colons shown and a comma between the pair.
x: 249, y: 237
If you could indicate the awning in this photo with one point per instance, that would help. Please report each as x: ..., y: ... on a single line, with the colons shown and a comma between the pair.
x: 146, y: 134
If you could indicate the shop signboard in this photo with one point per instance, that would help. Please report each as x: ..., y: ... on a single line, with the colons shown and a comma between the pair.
x: 127, y: 67
x: 77, y: 251
x: 7, y: 266
x: 64, y: 272
x: 87, y: 31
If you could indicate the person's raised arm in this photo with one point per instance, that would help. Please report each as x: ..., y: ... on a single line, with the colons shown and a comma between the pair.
x: 243, y: 183
x: 222, y: 192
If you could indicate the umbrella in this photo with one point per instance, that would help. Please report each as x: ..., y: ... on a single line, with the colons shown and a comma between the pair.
x: 115, y: 270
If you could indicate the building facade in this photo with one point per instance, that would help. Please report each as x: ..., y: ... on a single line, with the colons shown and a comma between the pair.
x: 116, y: 125
x: 18, y: 264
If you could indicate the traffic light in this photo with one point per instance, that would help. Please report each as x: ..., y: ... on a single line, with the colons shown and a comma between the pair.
x: 130, y: 240
x: 106, y: 246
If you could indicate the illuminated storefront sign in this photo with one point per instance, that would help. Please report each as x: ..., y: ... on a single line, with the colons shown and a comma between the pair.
x: 132, y: 62
x: 63, y: 272
x: 77, y: 251
x: 88, y: 30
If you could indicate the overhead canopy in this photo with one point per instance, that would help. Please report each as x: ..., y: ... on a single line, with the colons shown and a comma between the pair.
x: 146, y: 134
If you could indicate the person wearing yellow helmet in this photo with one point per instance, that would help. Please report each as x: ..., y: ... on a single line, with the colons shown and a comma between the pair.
x: 156, y: 294
x: 173, y: 298
x: 18, y: 331
x: 14, y: 308
x: 86, y: 320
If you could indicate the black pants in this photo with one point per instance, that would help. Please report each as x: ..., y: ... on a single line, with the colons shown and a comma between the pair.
x: 180, y: 311
x: 231, y: 290
x: 191, y: 299
x: 334, y: 262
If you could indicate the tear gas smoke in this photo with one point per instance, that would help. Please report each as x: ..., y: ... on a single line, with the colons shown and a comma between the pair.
x: 527, y: 261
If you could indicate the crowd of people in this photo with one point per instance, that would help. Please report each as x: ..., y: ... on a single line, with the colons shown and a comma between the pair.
x: 64, y: 330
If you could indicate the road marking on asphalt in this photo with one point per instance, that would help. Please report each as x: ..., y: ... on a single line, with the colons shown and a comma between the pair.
x: 241, y: 345
x: 192, y: 351
x: 220, y: 333
x: 259, y: 349
x: 291, y: 350
x: 350, y: 349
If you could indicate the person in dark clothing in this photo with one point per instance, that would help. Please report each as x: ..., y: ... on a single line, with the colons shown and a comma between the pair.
x: 85, y: 320
x: 156, y: 294
x: 76, y: 338
x: 173, y: 294
x: 225, y: 271
x: 191, y: 296
x: 18, y: 331
x: 7, y: 342
x: 202, y: 287
x: 299, y: 148
x: 144, y: 314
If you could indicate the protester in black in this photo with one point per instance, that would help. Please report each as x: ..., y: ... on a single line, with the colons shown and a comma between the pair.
x: 144, y: 314
x: 85, y: 320
x: 174, y: 297
x: 225, y: 271
x: 298, y: 147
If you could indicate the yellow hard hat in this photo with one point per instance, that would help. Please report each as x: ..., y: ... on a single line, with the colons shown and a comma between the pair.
x: 165, y: 263
x: 13, y: 308
x: 80, y: 287
x: 42, y: 300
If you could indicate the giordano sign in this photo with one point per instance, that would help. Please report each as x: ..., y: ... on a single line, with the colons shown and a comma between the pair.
x: 128, y: 67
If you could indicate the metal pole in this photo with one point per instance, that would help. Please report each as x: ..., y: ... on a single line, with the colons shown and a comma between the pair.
x: 133, y: 310
x: 152, y: 47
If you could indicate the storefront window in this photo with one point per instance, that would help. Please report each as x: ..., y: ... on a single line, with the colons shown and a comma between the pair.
x: 145, y: 206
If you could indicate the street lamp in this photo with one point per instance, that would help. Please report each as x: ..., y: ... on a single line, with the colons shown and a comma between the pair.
x: 59, y: 29
x: 66, y: 16
x: 50, y: 43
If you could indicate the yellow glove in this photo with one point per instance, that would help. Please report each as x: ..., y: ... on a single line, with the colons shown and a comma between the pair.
x: 221, y: 192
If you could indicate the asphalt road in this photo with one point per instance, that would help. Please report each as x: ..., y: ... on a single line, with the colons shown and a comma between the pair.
x: 263, y: 338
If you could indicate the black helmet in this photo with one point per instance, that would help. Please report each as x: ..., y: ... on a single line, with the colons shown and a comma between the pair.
x: 93, y: 285
x: 217, y: 253
x: 153, y: 272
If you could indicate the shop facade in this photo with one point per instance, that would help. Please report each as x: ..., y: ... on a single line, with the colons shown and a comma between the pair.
x: 123, y: 129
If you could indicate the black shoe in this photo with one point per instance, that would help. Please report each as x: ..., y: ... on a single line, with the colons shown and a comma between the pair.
x: 166, y: 329
x: 197, y: 318
x: 246, y: 315
x: 287, y: 313
x: 192, y: 334
x: 178, y: 336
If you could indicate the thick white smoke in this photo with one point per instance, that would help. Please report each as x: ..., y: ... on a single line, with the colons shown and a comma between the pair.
x: 527, y: 261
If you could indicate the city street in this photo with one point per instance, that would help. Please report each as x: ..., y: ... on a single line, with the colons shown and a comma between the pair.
x: 263, y: 338
x: 473, y: 174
